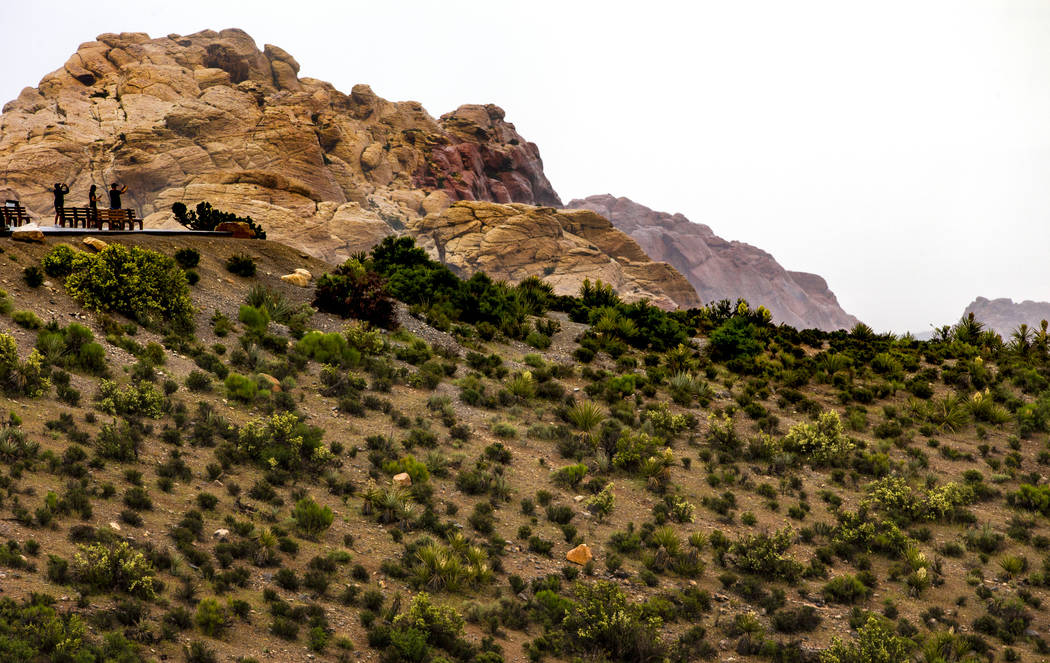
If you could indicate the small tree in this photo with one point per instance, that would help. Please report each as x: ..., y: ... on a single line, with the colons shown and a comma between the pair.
x: 206, y: 217
x: 312, y: 518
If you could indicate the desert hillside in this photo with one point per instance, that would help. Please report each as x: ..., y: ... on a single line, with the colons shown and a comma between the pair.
x: 206, y: 462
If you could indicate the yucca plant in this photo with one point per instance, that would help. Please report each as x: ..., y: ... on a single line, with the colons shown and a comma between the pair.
x: 1013, y: 565
x: 585, y: 415
x: 522, y: 385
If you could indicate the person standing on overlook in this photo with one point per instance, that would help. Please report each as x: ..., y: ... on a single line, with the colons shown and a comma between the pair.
x: 60, y: 192
x: 114, y: 195
x: 93, y: 204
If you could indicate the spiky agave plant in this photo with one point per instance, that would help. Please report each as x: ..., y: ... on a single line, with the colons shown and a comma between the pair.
x: 585, y: 415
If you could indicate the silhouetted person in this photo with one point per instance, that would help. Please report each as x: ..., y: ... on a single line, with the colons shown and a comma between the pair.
x: 114, y: 195
x: 60, y: 192
x: 93, y: 204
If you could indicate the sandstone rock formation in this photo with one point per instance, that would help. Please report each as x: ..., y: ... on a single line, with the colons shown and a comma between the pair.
x: 1003, y: 315
x: 563, y: 247
x: 720, y: 269
x: 209, y: 116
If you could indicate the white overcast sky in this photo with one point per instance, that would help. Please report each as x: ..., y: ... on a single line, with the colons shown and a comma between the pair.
x: 899, y: 149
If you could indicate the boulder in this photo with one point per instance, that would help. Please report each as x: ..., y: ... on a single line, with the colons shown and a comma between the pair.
x: 402, y: 480
x: 295, y: 278
x: 240, y: 229
x: 372, y: 156
x: 28, y: 233
x: 95, y: 243
x: 221, y: 534
x: 581, y: 554
x: 114, y: 525
x: 436, y: 202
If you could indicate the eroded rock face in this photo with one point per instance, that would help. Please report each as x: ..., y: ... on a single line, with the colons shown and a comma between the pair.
x: 1003, y: 315
x: 563, y: 247
x: 209, y: 116
x: 720, y: 269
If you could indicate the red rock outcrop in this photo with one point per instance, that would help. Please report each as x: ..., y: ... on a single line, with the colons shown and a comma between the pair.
x: 720, y: 269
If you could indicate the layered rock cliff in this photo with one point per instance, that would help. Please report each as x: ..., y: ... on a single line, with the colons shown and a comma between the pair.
x: 1004, y: 315
x: 721, y: 269
x: 211, y: 117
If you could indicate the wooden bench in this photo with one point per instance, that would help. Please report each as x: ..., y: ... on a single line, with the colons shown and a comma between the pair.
x: 83, y: 217
x: 12, y: 214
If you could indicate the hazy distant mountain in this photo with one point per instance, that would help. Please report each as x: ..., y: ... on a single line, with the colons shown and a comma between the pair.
x: 1004, y: 315
x: 721, y: 269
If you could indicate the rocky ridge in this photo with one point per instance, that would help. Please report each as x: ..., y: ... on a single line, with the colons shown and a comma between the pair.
x: 721, y: 269
x: 563, y: 247
x: 1004, y: 315
x: 210, y: 116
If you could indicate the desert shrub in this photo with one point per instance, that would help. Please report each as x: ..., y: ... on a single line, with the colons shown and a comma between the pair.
x: 311, y: 518
x: 875, y: 643
x: 59, y: 261
x: 140, y: 399
x: 254, y: 319
x: 764, y: 554
x: 241, y: 264
x: 211, y: 617
x: 603, y: 620
x: 107, y: 567
x: 283, y: 441
x: 437, y: 567
x: 198, y: 381
x: 27, y: 319
x: 206, y: 217
x: 139, y: 283
x: 72, y: 347
x: 24, y: 377
x: 824, y: 442
x: 241, y: 388
x: 846, y: 589
x: 327, y: 348
x: 33, y: 276
x: 188, y: 258
x: 353, y: 291
x: 570, y: 475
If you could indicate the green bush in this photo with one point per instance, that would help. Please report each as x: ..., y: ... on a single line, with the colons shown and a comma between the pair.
x: 311, y: 518
x: 71, y: 347
x: 241, y: 388
x: 23, y: 377
x: 253, y: 318
x: 241, y: 264
x: 139, y: 283
x: 211, y: 617
x: 353, y: 291
x: 140, y: 399
x: 59, y: 261
x: 206, y: 217
x: 188, y: 258
x: 283, y: 441
x: 327, y: 348
x: 33, y: 276
x: 27, y: 319
x: 107, y: 567
x: 846, y: 589
x: 824, y: 442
